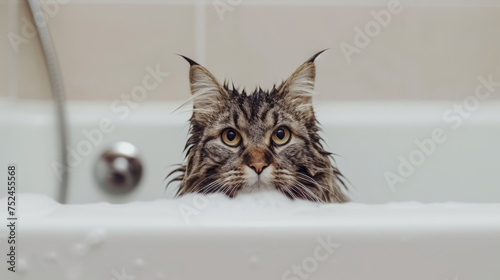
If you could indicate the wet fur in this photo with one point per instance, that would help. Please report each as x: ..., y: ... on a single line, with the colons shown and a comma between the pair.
x: 300, y: 169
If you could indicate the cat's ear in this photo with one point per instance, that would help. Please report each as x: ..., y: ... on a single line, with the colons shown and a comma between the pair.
x: 206, y: 90
x: 299, y: 87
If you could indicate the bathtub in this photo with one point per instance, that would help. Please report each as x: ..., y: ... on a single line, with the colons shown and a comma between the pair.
x: 423, y: 177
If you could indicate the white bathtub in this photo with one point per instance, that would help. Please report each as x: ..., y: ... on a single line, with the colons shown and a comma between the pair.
x: 441, y: 222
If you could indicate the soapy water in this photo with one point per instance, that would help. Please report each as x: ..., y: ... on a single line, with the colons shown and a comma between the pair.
x: 267, y: 208
x: 35, y: 205
x: 193, y: 208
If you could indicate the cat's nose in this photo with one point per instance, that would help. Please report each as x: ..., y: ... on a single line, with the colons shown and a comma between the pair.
x: 258, y: 166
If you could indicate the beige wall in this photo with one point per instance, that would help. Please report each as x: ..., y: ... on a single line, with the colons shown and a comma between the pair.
x: 426, y: 51
x: 4, y: 49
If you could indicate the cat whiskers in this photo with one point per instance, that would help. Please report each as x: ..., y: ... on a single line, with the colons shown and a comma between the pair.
x: 311, y: 180
x: 312, y: 195
x: 286, y: 176
x: 224, y: 185
x: 234, y: 189
x: 284, y: 189
x: 193, y: 188
x: 211, y: 186
x: 296, y: 186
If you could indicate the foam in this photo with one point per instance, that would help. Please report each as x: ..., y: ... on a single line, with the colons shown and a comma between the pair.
x: 262, y: 207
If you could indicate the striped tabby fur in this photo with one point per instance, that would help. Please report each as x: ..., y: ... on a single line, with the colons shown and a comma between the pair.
x: 299, y: 169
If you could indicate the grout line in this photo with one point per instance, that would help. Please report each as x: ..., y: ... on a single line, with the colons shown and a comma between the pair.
x: 13, y: 62
x: 200, y: 31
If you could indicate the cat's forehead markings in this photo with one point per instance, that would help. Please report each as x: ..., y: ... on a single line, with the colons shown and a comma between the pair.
x: 256, y: 137
x: 271, y: 117
x: 241, y: 121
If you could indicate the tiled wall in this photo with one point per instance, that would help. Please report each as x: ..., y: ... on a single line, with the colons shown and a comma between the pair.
x: 428, y: 50
x: 4, y: 50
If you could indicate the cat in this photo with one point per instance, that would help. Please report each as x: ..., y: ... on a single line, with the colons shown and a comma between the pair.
x: 241, y: 142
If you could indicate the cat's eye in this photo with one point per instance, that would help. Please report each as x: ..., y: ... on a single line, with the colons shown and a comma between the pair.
x: 231, y: 137
x: 281, y: 136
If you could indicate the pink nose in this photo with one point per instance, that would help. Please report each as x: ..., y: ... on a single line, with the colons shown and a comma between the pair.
x: 258, y: 166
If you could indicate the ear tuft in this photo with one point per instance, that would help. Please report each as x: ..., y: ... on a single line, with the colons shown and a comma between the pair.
x: 299, y: 87
x: 189, y: 60
x: 207, y: 93
x: 313, y: 58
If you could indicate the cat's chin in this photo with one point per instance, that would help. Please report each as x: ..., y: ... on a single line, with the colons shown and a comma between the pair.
x: 258, y: 183
x: 257, y: 187
x: 257, y: 190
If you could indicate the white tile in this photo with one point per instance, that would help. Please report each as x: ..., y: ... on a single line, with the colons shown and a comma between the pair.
x: 104, y: 49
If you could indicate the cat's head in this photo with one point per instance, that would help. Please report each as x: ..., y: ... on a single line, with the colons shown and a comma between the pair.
x: 243, y: 142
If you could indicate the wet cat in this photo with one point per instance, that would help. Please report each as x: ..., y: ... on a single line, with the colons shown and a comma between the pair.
x: 241, y: 142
